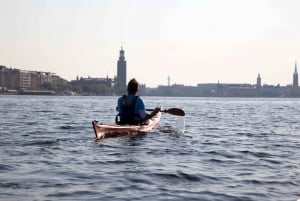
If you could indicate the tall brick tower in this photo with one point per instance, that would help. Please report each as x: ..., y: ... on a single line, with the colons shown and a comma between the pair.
x: 121, y: 74
x: 295, y: 77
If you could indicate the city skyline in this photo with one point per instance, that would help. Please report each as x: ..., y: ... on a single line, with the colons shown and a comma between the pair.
x: 190, y: 41
x: 122, y: 76
x: 122, y: 68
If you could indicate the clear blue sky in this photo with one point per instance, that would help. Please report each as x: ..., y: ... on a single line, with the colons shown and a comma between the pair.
x: 192, y: 41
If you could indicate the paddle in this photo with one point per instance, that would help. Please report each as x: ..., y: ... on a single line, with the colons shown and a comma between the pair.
x: 173, y: 111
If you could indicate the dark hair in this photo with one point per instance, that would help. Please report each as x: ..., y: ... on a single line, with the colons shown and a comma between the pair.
x: 132, y: 87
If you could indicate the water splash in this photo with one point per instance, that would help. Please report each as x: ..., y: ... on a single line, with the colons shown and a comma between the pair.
x: 180, y: 125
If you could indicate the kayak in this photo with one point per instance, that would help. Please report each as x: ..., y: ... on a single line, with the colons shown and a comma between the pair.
x: 115, y: 130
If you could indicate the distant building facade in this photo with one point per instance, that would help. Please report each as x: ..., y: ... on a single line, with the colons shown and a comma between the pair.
x: 121, y: 82
x: 22, y: 80
x: 108, y: 82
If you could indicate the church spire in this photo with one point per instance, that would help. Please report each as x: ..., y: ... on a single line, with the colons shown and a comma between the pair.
x: 295, y: 77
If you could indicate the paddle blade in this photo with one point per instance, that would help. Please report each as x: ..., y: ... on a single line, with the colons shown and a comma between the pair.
x: 175, y: 111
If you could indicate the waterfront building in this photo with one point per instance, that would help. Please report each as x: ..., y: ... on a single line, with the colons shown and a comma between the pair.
x: 40, y: 78
x: 55, y: 79
x: 121, y: 74
x: 22, y: 80
x: 3, y: 79
x: 108, y: 82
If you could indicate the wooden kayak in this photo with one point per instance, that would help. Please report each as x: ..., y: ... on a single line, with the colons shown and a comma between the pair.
x: 115, y: 130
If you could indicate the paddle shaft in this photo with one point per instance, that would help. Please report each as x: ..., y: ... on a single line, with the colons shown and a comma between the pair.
x: 173, y: 111
x: 151, y: 110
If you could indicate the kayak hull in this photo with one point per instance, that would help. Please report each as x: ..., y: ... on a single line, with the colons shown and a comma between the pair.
x: 115, y: 130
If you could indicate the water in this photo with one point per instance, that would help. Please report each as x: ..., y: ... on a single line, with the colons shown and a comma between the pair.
x: 232, y: 149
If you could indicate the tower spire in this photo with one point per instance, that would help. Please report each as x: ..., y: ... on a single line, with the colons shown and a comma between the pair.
x: 258, y: 81
x: 295, y: 77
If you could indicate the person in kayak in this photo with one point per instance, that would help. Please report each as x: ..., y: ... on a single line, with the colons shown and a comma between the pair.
x: 131, y: 108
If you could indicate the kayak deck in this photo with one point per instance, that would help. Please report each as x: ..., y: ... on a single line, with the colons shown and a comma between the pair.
x: 115, y: 130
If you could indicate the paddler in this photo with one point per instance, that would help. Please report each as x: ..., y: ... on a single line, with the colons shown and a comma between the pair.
x: 131, y: 107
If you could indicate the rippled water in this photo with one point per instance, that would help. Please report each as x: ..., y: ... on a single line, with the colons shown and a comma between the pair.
x: 233, y: 149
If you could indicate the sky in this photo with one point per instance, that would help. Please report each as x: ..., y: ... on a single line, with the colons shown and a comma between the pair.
x: 190, y: 41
